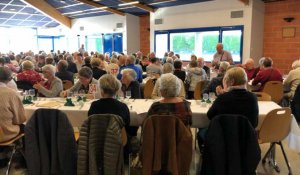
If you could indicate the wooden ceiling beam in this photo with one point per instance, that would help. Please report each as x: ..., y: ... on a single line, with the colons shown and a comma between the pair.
x: 141, y: 6
x: 103, y: 7
x: 49, y: 11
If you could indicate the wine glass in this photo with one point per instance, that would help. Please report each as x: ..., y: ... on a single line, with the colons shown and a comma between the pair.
x: 205, y: 97
x: 128, y: 94
x: 212, y: 96
x: 31, y: 93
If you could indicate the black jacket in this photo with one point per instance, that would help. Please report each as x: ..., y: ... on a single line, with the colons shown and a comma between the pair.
x: 50, y: 146
x: 231, y: 147
x: 65, y: 75
x: 295, y: 104
x: 97, y: 73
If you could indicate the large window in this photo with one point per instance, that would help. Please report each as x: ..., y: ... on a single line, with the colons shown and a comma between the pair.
x: 94, y: 43
x: 201, y: 42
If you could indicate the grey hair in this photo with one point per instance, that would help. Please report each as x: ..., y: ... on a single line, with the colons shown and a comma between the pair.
x: 169, y: 60
x: 170, y: 84
x: 70, y: 58
x: 63, y: 65
x: 50, y: 68
x: 261, y: 61
x: 130, y: 59
x: 109, y: 84
x: 168, y: 68
x: 86, y: 72
x: 296, y: 64
x: 5, y: 74
x: 237, y: 75
x: 130, y: 72
x: 223, y: 66
x: 27, y: 65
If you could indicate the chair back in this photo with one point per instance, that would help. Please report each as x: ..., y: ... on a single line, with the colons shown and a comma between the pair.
x: 262, y: 96
x: 295, y: 104
x: 67, y: 84
x: 100, y: 148
x: 274, y: 89
x: 1, y: 133
x: 50, y: 143
x: 276, y: 125
x: 166, y: 145
x: 25, y: 85
x: 198, y: 89
x: 148, y: 88
x: 231, y: 146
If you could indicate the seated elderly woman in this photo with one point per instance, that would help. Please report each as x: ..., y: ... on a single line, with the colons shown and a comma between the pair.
x: 85, y: 85
x: 170, y: 103
x: 12, y: 112
x: 292, y: 80
x: 28, y: 74
x: 236, y: 99
x: 167, y: 68
x: 109, y: 86
x: 52, y: 86
x: 130, y: 83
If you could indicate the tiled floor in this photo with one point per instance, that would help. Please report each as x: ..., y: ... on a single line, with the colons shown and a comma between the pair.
x: 293, y: 156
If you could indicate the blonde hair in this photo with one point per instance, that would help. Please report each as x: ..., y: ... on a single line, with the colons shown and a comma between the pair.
x: 237, y: 75
x: 95, y: 62
x: 109, y: 84
x: 27, y: 65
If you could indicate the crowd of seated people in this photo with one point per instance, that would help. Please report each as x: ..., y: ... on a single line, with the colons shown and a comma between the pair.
x: 118, y: 73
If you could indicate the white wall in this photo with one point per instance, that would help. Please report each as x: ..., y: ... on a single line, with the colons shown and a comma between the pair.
x: 205, y: 14
x: 133, y: 33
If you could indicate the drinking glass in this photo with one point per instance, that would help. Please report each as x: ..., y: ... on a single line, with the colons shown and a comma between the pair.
x: 128, y: 94
x: 212, y: 96
x: 205, y: 97
x: 31, y: 93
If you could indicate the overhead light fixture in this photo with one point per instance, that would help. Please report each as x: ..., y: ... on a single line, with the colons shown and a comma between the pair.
x: 161, y: 2
x: 62, y: 1
x: 129, y: 3
x: 96, y: 0
x: 12, y: 9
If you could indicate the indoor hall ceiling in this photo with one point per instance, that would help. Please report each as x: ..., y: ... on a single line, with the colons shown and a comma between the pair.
x: 30, y: 14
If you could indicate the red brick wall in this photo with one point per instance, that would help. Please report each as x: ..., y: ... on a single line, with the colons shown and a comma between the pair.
x: 145, y: 34
x: 283, y: 51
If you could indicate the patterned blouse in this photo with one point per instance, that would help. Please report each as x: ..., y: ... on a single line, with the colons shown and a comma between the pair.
x: 181, y: 110
x: 29, y: 75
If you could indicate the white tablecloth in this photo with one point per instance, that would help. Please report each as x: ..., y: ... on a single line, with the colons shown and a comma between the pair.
x: 139, y: 108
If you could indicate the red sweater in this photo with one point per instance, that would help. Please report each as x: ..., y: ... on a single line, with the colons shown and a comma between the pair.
x: 265, y: 75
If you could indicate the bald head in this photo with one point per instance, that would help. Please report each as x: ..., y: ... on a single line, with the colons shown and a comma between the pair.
x: 249, y: 64
x: 219, y: 48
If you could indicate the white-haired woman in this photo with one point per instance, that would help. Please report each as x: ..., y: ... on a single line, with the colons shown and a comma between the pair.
x: 170, y: 103
x: 292, y: 80
x: 130, y: 83
x: 52, y: 86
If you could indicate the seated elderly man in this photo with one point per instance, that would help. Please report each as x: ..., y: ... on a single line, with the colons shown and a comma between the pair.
x: 85, y: 85
x: 171, y: 103
x: 130, y: 83
x: 52, y: 86
x: 63, y: 73
x: 217, y: 81
x: 292, y: 80
x: 250, y: 70
x: 268, y: 73
x: 12, y: 112
x: 201, y: 64
x: 167, y: 68
x: 130, y: 64
x: 28, y: 74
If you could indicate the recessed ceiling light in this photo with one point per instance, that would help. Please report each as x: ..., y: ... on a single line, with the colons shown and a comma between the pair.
x: 96, y: 0
x: 129, y: 3
x: 62, y: 1
x: 12, y: 9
